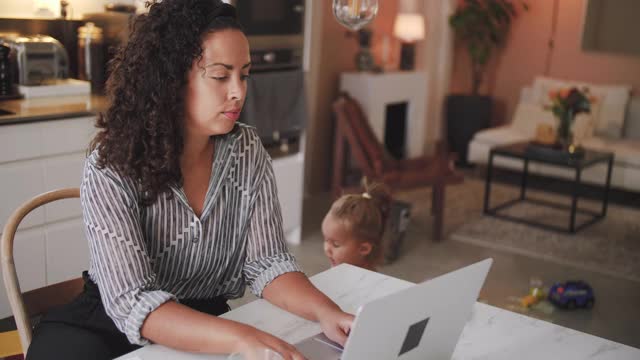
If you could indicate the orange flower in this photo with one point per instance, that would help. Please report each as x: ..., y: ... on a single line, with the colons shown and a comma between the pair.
x: 564, y: 93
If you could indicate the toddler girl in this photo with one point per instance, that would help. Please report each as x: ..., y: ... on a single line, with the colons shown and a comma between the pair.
x: 353, y: 228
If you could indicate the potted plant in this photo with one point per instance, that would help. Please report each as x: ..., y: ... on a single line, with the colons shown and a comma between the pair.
x: 482, y: 26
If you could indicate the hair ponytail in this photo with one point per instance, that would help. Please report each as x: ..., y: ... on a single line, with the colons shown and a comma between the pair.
x: 380, y: 196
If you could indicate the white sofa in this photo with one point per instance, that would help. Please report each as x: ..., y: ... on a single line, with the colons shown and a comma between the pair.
x: 626, y: 147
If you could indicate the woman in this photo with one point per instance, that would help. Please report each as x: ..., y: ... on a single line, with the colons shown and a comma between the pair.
x: 180, y: 203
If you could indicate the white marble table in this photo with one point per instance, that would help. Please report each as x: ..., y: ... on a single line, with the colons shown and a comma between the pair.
x: 491, y: 333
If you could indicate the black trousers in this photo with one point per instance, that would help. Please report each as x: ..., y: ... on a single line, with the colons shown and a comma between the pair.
x: 83, y: 330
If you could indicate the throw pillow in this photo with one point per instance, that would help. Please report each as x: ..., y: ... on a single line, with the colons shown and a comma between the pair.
x: 527, y: 117
x: 583, y: 128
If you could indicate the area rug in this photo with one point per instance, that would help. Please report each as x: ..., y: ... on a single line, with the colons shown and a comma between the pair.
x: 611, y: 246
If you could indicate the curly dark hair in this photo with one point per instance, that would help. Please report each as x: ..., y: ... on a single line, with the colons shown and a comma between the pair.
x: 141, y: 132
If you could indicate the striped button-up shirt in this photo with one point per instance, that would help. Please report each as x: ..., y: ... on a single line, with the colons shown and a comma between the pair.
x: 143, y: 256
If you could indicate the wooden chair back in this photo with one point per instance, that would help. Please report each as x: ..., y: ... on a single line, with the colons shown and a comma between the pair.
x: 38, y: 301
x: 349, y: 112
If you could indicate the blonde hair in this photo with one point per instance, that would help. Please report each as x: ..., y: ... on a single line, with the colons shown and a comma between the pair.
x: 365, y: 215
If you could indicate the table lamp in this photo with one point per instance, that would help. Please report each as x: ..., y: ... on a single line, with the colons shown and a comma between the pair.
x: 409, y: 28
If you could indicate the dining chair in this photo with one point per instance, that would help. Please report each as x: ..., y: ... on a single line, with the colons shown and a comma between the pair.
x: 38, y: 301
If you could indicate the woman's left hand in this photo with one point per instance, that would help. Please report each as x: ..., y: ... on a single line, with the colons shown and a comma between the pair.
x: 336, y: 324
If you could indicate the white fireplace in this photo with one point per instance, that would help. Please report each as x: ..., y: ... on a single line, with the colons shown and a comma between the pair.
x: 392, y: 101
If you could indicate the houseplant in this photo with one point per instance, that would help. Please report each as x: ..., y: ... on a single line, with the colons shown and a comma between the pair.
x: 482, y: 26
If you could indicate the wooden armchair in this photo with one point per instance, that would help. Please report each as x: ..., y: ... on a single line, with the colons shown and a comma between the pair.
x: 371, y: 157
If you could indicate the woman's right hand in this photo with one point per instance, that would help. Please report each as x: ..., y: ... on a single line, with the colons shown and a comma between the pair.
x: 252, y: 343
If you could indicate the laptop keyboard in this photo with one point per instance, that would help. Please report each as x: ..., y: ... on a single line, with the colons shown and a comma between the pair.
x: 322, y: 338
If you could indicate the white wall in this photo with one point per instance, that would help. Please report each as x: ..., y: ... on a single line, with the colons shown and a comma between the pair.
x: 435, y: 55
x: 27, y: 8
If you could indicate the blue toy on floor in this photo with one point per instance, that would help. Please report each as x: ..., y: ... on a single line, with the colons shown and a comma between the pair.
x: 572, y: 294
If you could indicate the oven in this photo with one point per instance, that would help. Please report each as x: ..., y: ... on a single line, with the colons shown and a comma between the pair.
x: 271, y: 17
x: 275, y: 30
x: 275, y: 102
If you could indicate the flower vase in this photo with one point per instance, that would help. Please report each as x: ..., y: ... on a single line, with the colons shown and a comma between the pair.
x: 565, y: 121
x: 565, y: 105
x: 364, y: 59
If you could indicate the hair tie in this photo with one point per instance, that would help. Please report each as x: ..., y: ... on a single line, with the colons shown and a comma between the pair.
x: 366, y: 195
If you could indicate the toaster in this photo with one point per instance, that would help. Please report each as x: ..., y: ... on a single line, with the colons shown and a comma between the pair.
x: 38, y: 59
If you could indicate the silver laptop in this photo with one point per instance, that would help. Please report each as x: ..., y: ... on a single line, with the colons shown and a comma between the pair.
x: 421, y: 322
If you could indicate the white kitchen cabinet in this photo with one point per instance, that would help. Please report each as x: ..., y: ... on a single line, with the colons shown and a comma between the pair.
x: 67, y: 136
x: 21, y: 180
x: 29, y: 255
x: 60, y: 172
x: 45, y: 138
x: 289, y: 171
x: 50, y: 245
x: 20, y: 141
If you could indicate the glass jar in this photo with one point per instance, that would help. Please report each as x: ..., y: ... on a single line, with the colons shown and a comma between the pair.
x: 6, y: 74
x: 91, y: 56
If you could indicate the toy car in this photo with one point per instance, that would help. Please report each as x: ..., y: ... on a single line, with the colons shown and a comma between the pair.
x: 572, y: 294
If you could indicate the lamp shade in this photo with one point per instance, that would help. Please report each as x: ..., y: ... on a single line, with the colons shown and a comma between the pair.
x: 409, y: 27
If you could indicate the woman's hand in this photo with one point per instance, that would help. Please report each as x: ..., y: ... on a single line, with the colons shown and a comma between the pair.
x: 336, y: 324
x: 252, y: 343
x: 294, y: 292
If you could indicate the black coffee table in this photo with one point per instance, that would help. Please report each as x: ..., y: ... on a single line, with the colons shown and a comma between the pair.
x: 524, y: 152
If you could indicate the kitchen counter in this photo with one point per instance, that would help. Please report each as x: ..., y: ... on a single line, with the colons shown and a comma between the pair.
x: 50, y: 108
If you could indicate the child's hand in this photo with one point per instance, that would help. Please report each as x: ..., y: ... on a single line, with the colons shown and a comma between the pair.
x: 336, y: 324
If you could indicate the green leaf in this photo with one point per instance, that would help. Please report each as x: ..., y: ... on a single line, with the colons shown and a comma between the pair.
x: 483, y: 25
